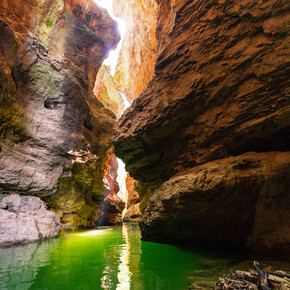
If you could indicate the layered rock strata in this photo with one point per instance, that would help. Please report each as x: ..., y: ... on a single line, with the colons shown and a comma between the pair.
x: 25, y: 219
x: 54, y: 131
x: 220, y: 88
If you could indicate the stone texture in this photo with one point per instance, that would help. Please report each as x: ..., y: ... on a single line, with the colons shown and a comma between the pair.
x: 220, y: 88
x: 237, y: 201
x: 132, y: 214
x: 50, y: 120
x: 138, y: 53
x: 133, y: 195
x: 113, y: 205
x: 112, y: 209
x: 25, y: 219
x: 106, y: 91
x: 132, y: 211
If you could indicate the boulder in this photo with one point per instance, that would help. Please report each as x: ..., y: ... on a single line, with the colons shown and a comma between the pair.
x: 239, y: 202
x: 25, y: 219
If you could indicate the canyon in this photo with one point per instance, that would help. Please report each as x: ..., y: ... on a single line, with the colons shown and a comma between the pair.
x: 205, y: 140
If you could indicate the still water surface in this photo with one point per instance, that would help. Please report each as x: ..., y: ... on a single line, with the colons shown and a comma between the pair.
x: 109, y: 258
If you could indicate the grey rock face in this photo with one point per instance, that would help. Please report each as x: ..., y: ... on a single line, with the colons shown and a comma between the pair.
x: 25, y: 219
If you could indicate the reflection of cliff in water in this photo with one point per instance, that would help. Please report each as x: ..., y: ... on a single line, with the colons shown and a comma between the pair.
x: 22, y: 263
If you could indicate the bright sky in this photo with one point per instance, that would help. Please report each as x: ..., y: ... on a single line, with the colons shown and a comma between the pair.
x: 112, y: 60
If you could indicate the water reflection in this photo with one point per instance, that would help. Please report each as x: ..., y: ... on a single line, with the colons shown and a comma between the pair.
x: 112, y: 258
x: 19, y: 265
x: 124, y: 275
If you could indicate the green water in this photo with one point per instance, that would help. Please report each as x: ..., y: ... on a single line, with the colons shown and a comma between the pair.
x: 109, y: 258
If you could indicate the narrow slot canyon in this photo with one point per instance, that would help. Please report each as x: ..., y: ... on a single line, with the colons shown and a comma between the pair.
x: 144, y: 144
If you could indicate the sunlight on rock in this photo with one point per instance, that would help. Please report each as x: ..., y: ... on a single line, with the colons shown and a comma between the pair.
x: 122, y: 173
x: 112, y: 60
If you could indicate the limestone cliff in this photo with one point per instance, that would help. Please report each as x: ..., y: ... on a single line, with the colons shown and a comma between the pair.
x: 54, y: 131
x: 220, y: 88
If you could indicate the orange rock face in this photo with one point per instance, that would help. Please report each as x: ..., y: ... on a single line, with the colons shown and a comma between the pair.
x: 239, y: 201
x: 133, y: 196
x: 138, y: 54
x: 113, y: 205
x: 220, y: 88
x: 106, y: 91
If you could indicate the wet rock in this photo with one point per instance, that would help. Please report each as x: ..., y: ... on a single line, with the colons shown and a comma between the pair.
x: 25, y: 219
x: 239, y: 202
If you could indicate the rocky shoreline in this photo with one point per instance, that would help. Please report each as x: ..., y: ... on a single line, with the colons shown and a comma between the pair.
x: 254, y: 279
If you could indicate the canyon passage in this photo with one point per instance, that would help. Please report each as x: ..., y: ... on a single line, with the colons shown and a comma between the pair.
x: 143, y: 144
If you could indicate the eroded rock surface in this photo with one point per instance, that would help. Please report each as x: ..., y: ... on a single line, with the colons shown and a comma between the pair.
x: 54, y: 131
x: 138, y: 54
x: 240, y: 201
x: 113, y: 205
x: 133, y: 213
x: 25, y: 219
x: 220, y: 88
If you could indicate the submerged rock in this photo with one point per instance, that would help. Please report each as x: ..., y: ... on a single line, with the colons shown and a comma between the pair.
x: 25, y: 219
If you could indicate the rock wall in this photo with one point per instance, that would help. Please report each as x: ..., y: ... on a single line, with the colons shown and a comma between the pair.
x: 54, y: 131
x: 219, y: 89
x: 132, y: 212
x: 107, y: 92
x: 138, y: 53
x: 113, y: 205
